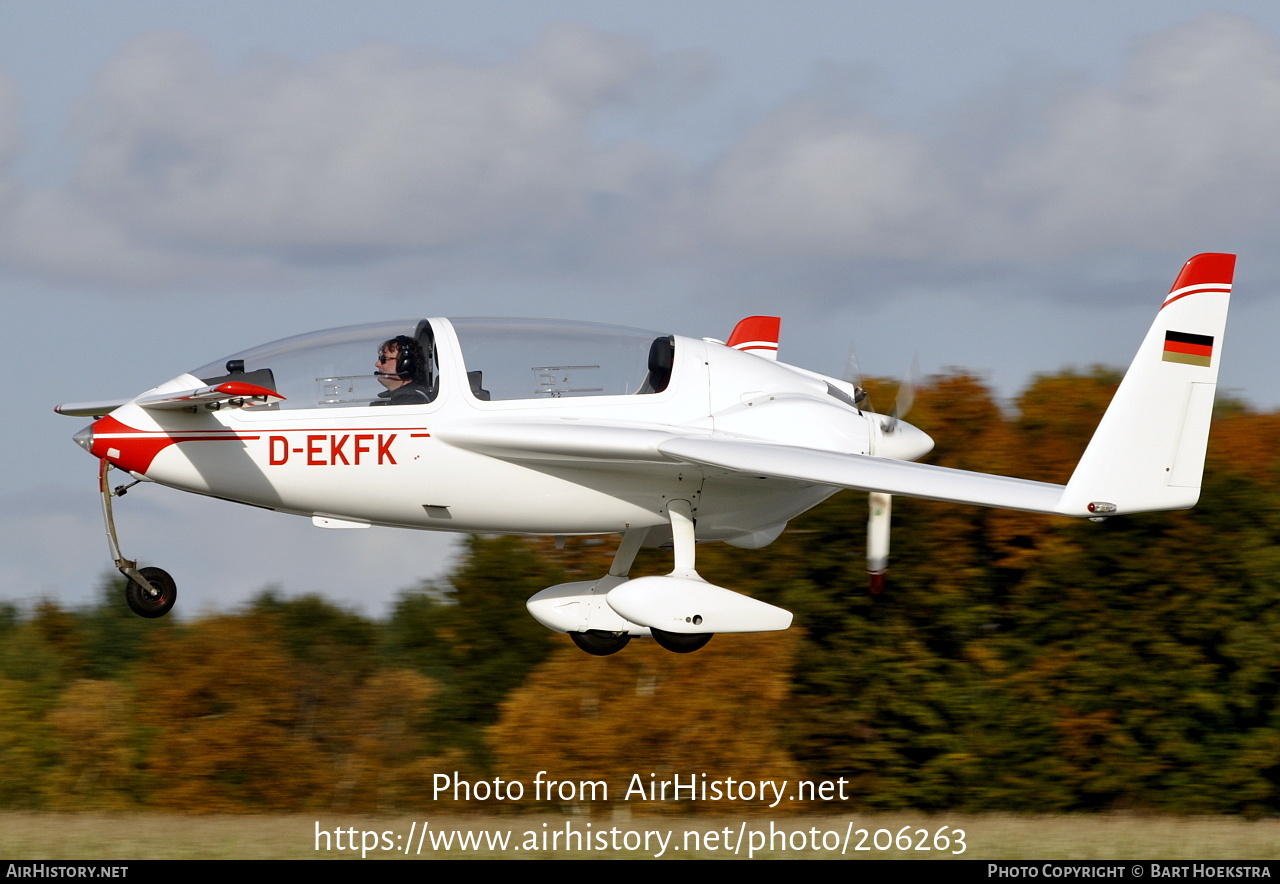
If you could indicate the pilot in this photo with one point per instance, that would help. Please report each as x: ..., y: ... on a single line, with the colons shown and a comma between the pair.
x: 401, y: 368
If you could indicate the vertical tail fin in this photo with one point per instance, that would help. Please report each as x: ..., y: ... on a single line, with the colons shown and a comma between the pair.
x: 1148, y: 451
x: 758, y: 335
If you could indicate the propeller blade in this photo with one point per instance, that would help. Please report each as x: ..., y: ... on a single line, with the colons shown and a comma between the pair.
x: 853, y: 376
x: 906, y: 395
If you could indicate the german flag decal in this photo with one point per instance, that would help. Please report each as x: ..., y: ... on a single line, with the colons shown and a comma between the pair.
x: 1187, y: 348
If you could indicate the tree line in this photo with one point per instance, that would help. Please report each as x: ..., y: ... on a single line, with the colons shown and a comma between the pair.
x: 1015, y: 662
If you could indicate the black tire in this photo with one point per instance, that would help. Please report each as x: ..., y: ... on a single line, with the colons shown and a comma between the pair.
x: 599, y: 643
x: 157, y: 602
x: 680, y: 642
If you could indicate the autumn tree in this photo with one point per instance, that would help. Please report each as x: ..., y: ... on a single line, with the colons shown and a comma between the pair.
x: 647, y: 711
x: 474, y: 637
x: 224, y: 726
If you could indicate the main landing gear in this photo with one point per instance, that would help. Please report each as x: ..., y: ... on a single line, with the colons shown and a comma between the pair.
x: 150, y: 592
x: 679, y: 642
x: 679, y: 610
x: 602, y: 643
x: 599, y: 643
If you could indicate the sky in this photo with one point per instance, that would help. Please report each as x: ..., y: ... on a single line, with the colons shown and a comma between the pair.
x: 1005, y: 187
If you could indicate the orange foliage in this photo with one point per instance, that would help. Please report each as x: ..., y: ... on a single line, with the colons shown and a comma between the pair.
x: 1057, y: 415
x: 220, y: 702
x: 1246, y: 442
x: 379, y: 730
x: 93, y: 732
x: 648, y: 711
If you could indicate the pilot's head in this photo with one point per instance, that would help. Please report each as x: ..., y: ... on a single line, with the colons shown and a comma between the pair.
x: 400, y: 361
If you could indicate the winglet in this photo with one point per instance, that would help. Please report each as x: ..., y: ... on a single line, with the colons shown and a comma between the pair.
x: 1148, y: 451
x: 758, y: 335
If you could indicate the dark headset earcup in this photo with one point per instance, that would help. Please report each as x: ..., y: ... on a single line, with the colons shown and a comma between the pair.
x: 406, y: 364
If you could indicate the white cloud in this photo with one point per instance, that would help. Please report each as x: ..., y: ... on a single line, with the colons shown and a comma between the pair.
x: 394, y: 161
x: 184, y: 166
x: 1177, y: 156
x: 809, y: 181
x: 377, y: 147
x: 1180, y: 154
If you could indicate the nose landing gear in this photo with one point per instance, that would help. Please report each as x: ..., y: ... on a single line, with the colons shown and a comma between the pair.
x: 150, y: 592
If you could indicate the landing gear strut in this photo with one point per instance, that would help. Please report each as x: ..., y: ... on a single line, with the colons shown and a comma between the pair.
x: 150, y: 592
x: 589, y: 596
x: 684, y: 544
x: 679, y: 610
x: 602, y: 642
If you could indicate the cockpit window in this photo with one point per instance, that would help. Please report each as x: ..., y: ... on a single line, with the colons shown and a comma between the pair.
x: 333, y: 368
x: 505, y: 359
x: 546, y: 359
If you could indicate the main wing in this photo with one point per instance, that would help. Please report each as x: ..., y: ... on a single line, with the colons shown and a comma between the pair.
x: 863, y: 473
x: 540, y: 440
x: 1147, y: 453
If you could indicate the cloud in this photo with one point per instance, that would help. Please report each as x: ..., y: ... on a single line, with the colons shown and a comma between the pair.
x: 378, y: 147
x: 809, y: 181
x: 358, y: 156
x: 389, y: 161
x: 1180, y: 154
x: 1176, y: 156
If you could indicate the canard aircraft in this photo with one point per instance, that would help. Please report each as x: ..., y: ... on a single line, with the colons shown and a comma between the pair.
x: 567, y: 428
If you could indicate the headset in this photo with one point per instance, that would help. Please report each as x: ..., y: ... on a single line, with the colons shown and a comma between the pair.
x: 409, y: 359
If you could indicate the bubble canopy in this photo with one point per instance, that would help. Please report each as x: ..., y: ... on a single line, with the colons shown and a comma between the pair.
x: 504, y: 359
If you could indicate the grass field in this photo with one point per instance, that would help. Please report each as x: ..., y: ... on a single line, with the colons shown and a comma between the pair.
x: 153, y: 836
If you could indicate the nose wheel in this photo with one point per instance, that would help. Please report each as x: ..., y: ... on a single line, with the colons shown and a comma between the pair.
x: 156, y: 598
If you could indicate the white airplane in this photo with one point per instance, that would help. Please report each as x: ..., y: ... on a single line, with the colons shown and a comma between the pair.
x: 565, y: 428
